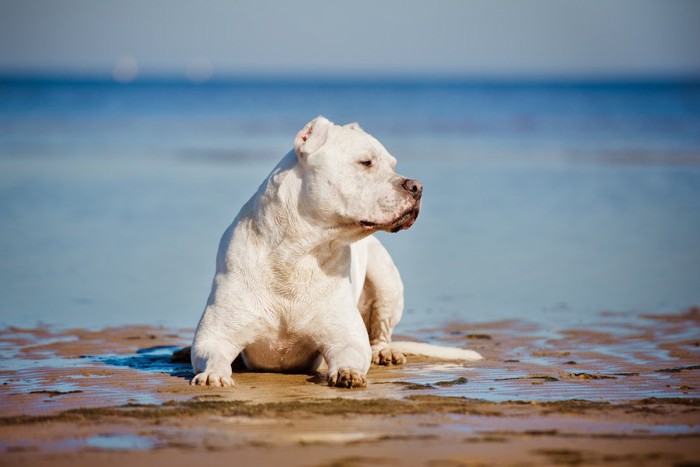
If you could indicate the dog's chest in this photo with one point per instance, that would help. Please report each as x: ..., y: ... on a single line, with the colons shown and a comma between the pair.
x: 281, y: 351
x: 286, y: 342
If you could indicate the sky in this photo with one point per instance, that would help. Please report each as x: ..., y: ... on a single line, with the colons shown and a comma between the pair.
x: 128, y: 39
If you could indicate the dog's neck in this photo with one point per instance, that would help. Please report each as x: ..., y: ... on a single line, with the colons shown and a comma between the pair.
x: 290, y: 233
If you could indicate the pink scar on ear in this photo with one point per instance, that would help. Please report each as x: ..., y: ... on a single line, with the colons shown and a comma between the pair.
x: 306, y: 136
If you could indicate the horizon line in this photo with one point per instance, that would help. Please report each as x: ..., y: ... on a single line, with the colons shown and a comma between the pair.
x: 355, y: 78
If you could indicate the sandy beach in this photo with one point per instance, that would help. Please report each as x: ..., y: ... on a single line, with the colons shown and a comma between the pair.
x: 628, y: 395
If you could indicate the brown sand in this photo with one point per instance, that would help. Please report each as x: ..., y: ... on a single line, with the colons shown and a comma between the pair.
x: 623, y: 393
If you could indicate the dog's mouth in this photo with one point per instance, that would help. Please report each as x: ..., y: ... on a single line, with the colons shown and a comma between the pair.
x: 403, y: 222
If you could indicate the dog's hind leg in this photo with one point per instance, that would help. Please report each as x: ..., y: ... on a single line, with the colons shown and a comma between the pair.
x: 381, y: 303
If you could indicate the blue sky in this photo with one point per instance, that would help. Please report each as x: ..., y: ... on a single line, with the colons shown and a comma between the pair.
x: 480, y: 38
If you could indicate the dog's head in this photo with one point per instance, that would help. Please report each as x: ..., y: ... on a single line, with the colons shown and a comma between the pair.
x: 349, y: 178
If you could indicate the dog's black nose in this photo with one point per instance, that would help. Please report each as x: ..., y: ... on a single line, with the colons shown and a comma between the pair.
x: 414, y: 186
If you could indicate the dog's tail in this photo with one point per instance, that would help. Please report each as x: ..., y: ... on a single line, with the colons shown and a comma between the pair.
x: 435, y: 351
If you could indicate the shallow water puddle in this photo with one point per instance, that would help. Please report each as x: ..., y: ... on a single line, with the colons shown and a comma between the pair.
x: 616, y: 360
x: 48, y: 371
x: 564, y: 425
x: 120, y: 442
x: 156, y: 359
x: 76, y: 442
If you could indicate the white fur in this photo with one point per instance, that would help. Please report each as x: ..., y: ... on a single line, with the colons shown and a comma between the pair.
x: 299, y: 276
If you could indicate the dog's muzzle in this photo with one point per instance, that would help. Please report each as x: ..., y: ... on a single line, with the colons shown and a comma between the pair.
x: 408, y: 217
x: 415, y: 188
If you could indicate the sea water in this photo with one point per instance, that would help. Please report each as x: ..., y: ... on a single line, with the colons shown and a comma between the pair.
x: 542, y: 201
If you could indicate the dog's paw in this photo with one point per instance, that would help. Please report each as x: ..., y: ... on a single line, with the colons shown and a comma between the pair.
x: 386, y: 356
x: 347, y: 378
x: 212, y: 379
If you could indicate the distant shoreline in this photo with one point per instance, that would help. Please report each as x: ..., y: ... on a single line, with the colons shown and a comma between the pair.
x: 379, y: 81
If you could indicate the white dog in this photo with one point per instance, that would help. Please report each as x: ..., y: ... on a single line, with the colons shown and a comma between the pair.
x: 299, y: 276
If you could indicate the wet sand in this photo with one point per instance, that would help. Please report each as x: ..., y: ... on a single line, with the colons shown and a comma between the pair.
x: 624, y: 391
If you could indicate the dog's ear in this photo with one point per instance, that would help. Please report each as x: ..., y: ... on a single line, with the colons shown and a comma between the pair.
x: 312, y: 137
x: 353, y: 126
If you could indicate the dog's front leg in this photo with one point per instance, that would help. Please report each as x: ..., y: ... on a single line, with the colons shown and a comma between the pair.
x: 347, y: 352
x: 219, y: 339
x: 381, y: 303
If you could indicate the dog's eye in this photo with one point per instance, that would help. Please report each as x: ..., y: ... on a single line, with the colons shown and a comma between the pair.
x: 367, y: 163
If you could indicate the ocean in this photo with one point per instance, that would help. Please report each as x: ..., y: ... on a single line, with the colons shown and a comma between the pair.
x: 550, y: 202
